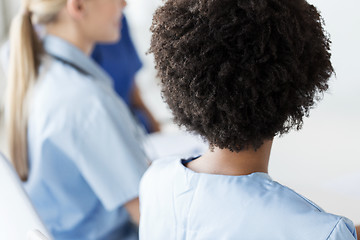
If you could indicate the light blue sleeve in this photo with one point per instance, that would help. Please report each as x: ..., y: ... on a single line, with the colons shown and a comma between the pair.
x: 111, y: 157
x: 101, y: 138
x: 344, y: 230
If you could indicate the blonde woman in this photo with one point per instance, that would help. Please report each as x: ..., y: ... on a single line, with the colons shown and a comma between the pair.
x: 78, y: 155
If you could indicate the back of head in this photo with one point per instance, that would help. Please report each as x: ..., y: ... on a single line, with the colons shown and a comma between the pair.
x: 25, y: 54
x: 240, y: 72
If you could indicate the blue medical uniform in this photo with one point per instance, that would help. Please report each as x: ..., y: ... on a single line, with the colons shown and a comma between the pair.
x: 196, y: 206
x: 85, y: 151
x: 121, y: 61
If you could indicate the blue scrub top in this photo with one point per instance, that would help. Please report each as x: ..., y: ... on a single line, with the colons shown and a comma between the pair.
x: 196, y: 206
x: 85, y: 151
x: 120, y: 61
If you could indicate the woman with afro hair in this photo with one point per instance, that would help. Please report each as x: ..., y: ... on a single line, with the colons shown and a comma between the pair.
x: 237, y: 72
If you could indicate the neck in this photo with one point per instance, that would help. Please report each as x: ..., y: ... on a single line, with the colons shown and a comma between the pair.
x: 224, y: 162
x: 64, y: 27
x: 73, y: 38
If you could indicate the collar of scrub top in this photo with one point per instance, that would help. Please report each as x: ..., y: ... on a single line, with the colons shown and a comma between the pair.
x: 66, y: 52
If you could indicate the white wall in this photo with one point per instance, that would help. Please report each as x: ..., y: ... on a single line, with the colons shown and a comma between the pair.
x: 11, y: 7
x: 8, y: 9
x: 2, y: 36
x: 2, y: 21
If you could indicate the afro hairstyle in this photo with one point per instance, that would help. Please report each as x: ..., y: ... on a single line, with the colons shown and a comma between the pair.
x: 239, y: 72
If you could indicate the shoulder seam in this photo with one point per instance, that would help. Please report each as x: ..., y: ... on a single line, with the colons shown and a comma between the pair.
x: 304, y: 198
x: 334, y: 228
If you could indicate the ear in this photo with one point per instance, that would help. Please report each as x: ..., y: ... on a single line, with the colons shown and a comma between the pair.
x: 75, y: 8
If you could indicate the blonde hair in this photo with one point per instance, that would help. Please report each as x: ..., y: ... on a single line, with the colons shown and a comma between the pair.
x: 25, y: 57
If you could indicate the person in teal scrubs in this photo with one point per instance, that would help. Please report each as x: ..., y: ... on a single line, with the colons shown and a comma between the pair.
x: 238, y: 73
x: 72, y: 139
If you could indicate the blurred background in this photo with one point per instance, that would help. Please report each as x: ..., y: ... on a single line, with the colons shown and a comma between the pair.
x: 322, y: 161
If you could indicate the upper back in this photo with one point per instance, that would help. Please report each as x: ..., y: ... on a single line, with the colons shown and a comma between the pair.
x: 189, y: 205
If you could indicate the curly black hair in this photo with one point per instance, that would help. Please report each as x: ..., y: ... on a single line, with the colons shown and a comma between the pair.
x: 239, y: 72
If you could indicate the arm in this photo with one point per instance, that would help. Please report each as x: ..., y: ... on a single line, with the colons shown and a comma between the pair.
x: 137, y: 102
x: 358, y: 231
x: 110, y: 157
x: 133, y: 209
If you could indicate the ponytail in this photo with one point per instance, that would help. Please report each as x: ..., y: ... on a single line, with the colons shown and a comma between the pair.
x: 25, y: 53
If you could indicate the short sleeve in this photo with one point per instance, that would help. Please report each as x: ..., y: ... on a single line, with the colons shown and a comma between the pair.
x: 105, y: 144
x: 110, y: 156
x: 344, y: 230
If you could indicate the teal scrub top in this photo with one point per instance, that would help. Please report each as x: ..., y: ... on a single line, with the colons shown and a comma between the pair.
x: 85, y: 153
x: 186, y: 205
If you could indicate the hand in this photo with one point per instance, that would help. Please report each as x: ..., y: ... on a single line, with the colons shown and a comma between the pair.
x: 132, y: 208
x: 155, y: 126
